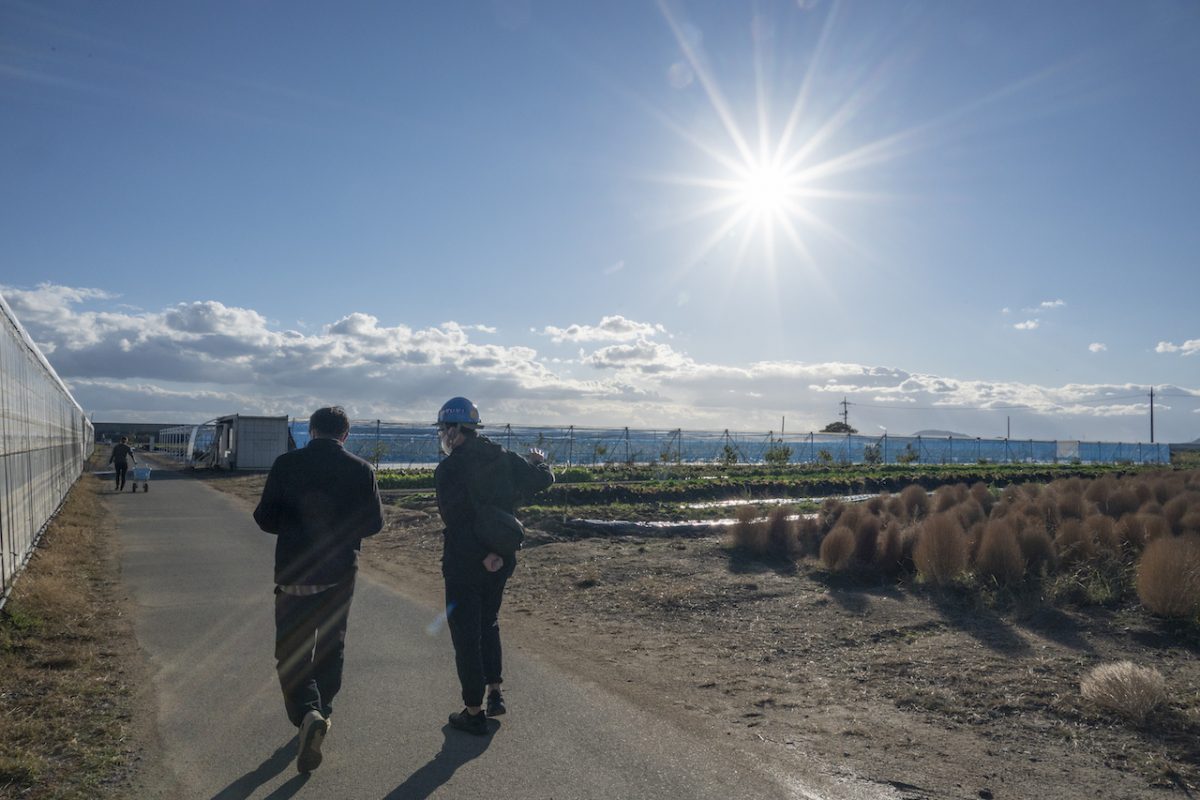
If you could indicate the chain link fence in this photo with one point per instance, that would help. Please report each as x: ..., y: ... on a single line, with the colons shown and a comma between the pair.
x: 403, y: 444
x: 44, y: 441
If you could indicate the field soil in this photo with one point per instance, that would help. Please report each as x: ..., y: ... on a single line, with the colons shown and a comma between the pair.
x: 921, y: 693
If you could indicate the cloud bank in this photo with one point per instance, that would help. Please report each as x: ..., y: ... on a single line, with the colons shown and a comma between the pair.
x: 197, y: 360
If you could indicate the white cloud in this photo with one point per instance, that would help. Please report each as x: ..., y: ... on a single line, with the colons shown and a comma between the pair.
x: 1006, y: 310
x: 196, y: 360
x: 1046, y: 305
x: 1027, y: 325
x: 1189, y: 348
x: 1097, y: 347
x: 614, y: 328
x: 612, y: 268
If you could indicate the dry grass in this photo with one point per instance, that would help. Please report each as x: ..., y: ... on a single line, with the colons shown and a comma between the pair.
x: 941, y: 550
x: 1168, y: 576
x: 1124, y: 688
x: 65, y: 691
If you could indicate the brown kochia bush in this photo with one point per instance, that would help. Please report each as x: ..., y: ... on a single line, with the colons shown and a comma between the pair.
x: 895, y: 507
x: 808, y: 536
x: 981, y: 495
x: 747, y: 533
x: 1168, y: 576
x: 1103, y: 531
x: 837, y: 548
x: 1037, y: 550
x: 941, y: 551
x: 1125, y: 689
x: 1174, y: 510
x: 916, y: 502
x: 865, y: 534
x: 970, y: 512
x: 1131, y: 530
x: 1074, y: 543
x: 1071, y: 506
x: 1098, y: 491
x: 1000, y: 555
x: 1155, y: 525
x: 889, y: 555
x: 831, y: 510
x: 780, y: 534
x: 1122, y: 501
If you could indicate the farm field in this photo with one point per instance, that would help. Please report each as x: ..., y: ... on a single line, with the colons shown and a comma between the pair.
x: 965, y: 686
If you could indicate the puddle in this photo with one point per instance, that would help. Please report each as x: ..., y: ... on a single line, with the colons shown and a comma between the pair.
x: 701, y: 527
x: 777, y: 501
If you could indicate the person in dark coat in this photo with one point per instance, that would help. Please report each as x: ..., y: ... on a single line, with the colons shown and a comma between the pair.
x: 120, y: 457
x: 321, y: 502
x: 476, y: 473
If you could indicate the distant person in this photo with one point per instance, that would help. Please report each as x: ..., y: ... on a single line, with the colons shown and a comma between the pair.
x: 321, y: 502
x: 476, y: 473
x: 120, y: 457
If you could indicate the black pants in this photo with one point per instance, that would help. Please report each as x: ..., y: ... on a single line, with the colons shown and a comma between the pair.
x: 119, y: 470
x: 310, y: 646
x: 473, y: 612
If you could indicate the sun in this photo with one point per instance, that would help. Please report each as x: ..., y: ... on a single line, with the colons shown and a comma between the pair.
x: 776, y: 176
x: 764, y: 191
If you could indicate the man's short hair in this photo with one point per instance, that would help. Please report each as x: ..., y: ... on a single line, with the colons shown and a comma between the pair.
x: 124, y: 439
x: 329, y: 421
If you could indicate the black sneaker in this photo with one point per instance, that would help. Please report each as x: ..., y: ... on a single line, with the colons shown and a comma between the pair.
x: 471, y: 723
x: 495, y: 703
x: 312, y: 735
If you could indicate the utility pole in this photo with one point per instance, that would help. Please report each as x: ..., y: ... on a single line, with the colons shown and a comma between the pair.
x: 1008, y: 427
x: 1151, y: 415
x: 845, y: 404
x: 782, y: 420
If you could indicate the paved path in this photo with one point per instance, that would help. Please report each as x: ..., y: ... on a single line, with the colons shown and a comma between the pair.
x: 198, y: 573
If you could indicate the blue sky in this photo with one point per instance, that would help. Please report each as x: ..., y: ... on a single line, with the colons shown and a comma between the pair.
x: 702, y: 214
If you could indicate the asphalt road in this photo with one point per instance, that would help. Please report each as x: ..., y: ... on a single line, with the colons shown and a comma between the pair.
x: 198, y: 573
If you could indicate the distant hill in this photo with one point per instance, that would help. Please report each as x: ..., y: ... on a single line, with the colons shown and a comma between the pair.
x: 935, y: 432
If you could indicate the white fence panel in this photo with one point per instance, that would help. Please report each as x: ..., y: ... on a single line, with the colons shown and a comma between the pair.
x: 45, y: 438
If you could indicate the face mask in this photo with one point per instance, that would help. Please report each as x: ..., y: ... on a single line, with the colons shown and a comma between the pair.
x: 444, y: 438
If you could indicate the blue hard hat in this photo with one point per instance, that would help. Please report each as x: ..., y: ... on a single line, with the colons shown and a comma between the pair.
x: 459, y: 411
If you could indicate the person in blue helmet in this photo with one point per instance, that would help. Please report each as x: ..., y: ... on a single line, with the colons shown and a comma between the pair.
x: 476, y: 473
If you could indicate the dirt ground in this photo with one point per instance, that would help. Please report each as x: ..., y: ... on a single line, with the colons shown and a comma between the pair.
x: 924, y: 694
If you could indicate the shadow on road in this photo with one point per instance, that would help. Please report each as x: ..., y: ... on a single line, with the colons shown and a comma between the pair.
x: 274, y: 764
x: 457, y: 749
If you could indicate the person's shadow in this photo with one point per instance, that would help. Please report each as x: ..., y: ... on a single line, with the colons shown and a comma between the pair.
x: 274, y: 764
x: 457, y: 749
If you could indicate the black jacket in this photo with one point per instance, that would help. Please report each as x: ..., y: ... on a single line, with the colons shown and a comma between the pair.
x: 480, y: 472
x: 120, y: 452
x: 321, y: 501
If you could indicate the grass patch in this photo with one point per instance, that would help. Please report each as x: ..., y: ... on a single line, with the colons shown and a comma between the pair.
x: 65, y: 698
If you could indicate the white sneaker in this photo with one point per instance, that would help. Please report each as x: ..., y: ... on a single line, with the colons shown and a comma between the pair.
x: 312, y: 735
